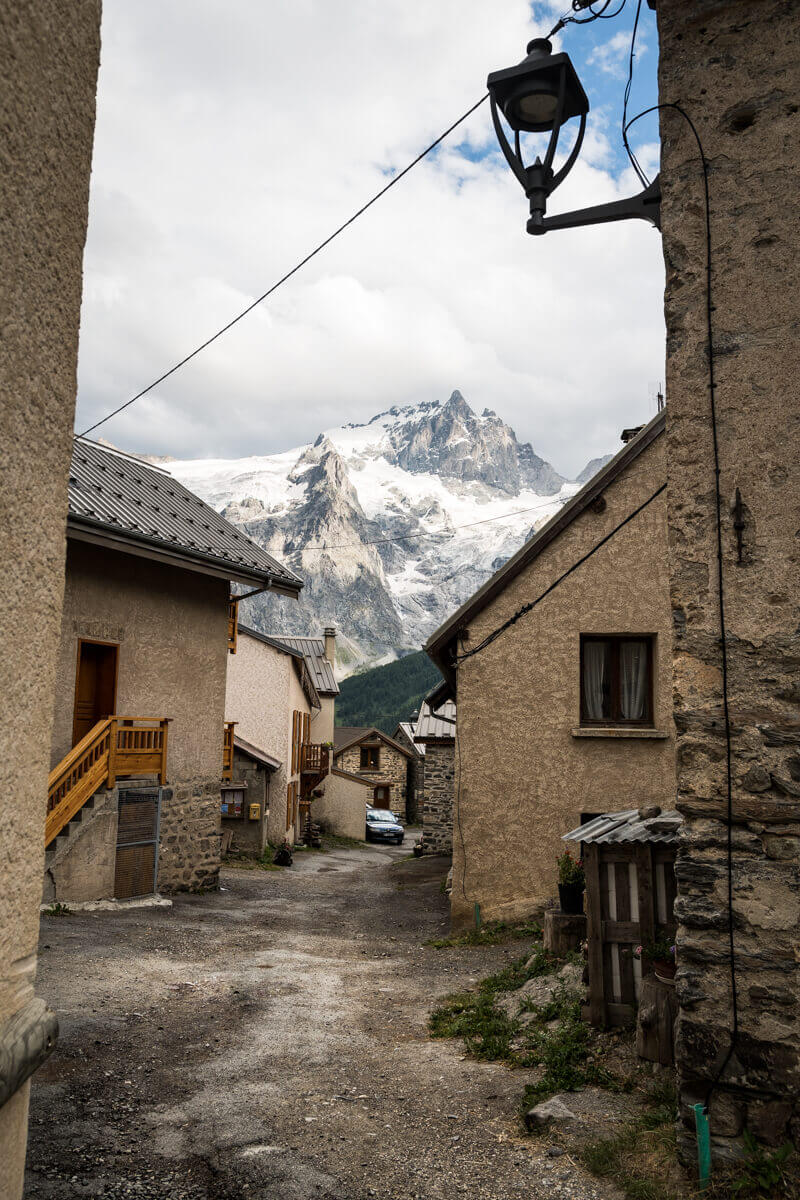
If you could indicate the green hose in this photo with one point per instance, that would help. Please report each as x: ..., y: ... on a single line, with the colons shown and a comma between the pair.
x: 477, y: 915
x: 703, y: 1145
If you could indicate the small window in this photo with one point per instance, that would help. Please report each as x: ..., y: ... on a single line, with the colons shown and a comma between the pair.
x: 617, y: 680
x: 370, y: 758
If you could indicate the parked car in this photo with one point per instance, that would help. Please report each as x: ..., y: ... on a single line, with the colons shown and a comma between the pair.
x: 383, y: 826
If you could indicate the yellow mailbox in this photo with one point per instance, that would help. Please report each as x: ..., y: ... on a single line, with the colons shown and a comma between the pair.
x: 255, y: 812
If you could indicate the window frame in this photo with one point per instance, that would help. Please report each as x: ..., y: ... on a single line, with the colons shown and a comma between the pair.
x: 616, y: 720
x: 367, y: 752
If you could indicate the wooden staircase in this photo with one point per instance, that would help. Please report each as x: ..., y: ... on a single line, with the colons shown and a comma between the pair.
x: 115, y: 748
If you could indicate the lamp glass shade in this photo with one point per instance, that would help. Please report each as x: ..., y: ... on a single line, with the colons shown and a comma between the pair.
x: 527, y: 94
x: 537, y: 108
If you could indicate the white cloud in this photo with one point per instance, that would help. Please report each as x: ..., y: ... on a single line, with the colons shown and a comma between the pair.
x: 232, y: 138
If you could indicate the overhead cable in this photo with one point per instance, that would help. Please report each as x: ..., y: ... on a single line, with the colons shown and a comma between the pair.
x: 312, y: 254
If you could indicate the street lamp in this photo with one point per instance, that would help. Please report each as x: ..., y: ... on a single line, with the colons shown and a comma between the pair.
x: 540, y: 95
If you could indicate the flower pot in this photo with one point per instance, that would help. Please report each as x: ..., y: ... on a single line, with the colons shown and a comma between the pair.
x: 665, y: 971
x: 571, y: 897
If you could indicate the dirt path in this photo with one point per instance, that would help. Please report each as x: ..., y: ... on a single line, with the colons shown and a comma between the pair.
x: 270, y: 1041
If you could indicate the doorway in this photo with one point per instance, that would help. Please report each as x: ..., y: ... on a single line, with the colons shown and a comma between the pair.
x: 381, y: 797
x: 95, y: 686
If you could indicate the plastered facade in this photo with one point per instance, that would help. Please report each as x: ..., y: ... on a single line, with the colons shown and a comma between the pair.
x: 263, y: 690
x: 392, y: 771
x: 47, y: 107
x: 735, y: 68
x: 342, y: 809
x: 522, y: 777
x: 171, y: 629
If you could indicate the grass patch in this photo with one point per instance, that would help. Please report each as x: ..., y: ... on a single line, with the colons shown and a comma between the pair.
x: 485, y: 1028
x: 493, y: 933
x: 330, y: 841
x: 58, y: 910
x: 561, y: 1043
x: 246, y: 862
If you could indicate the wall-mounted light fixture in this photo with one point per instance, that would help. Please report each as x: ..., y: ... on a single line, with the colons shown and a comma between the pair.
x: 540, y: 95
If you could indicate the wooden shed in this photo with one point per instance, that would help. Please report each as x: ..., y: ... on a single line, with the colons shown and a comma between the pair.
x: 629, y: 862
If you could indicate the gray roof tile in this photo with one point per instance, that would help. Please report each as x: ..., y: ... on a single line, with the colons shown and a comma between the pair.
x: 145, y: 505
x: 313, y: 651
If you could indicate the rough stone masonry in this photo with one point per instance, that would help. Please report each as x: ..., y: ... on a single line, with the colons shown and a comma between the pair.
x: 734, y: 67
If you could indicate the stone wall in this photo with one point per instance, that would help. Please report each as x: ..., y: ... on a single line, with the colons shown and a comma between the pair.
x: 437, y: 806
x: 50, y: 53
x: 189, y: 850
x: 392, y: 771
x: 735, y: 68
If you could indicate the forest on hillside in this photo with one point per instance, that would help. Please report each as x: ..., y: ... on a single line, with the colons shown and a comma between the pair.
x: 386, y: 695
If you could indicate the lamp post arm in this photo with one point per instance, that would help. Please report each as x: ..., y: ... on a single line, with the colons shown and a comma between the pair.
x: 645, y: 206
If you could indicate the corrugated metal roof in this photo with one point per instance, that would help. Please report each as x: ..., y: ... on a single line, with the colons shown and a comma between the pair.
x: 436, y: 723
x: 143, y: 504
x: 628, y: 826
x: 313, y: 651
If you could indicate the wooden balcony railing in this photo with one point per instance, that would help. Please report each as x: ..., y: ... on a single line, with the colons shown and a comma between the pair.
x: 233, y: 625
x: 115, y: 748
x: 314, y: 759
x: 227, y: 750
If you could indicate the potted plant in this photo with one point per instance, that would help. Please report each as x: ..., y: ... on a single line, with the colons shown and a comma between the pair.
x: 660, y: 953
x: 570, y: 883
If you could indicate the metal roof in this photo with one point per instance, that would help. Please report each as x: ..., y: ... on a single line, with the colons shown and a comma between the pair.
x: 407, y: 728
x: 254, y: 752
x: 436, y: 723
x: 313, y: 651
x: 146, y: 507
x: 629, y: 826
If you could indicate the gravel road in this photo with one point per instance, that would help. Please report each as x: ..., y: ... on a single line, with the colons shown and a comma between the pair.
x: 269, y: 1041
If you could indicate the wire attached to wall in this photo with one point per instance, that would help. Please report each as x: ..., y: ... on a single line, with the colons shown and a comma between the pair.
x: 720, y: 579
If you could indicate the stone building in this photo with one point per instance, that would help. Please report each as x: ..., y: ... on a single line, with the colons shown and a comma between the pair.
x: 50, y: 55
x: 435, y: 732
x: 375, y: 756
x: 273, y: 700
x: 415, y: 771
x: 140, y: 680
x: 735, y: 70
x: 564, y: 703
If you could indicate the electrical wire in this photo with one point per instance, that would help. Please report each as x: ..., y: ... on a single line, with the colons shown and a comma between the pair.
x: 526, y: 608
x: 720, y: 584
x: 359, y: 212
x: 602, y: 15
x: 406, y: 537
x: 633, y: 159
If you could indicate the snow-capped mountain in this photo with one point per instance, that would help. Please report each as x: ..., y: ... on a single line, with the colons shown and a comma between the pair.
x: 391, y: 524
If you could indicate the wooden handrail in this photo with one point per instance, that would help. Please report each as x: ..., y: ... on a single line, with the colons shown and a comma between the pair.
x: 114, y: 748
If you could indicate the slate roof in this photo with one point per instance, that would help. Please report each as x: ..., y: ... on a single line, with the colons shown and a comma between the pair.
x: 628, y: 826
x: 351, y: 735
x: 313, y: 651
x: 115, y: 497
x: 436, y: 723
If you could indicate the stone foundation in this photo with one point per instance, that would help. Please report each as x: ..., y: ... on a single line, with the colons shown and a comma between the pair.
x: 437, y: 807
x: 189, y: 850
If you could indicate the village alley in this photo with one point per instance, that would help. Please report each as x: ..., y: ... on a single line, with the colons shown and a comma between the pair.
x: 270, y: 1040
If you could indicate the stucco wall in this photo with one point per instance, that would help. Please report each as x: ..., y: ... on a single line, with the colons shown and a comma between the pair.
x: 47, y: 104
x: 171, y: 629
x: 263, y: 690
x: 735, y: 67
x: 524, y: 778
x: 323, y: 720
x: 342, y: 810
x: 392, y: 771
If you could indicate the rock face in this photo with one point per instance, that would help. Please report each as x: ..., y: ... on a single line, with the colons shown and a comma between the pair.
x: 386, y: 522
x: 592, y: 467
x: 753, y: 1077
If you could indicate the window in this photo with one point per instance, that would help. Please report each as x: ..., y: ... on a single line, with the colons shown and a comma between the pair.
x: 616, y: 680
x: 370, y: 758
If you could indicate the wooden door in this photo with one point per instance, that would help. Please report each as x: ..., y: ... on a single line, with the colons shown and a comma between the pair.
x: 381, y: 797
x: 95, y: 686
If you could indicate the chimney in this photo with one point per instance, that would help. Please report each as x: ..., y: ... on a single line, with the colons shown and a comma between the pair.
x: 330, y: 645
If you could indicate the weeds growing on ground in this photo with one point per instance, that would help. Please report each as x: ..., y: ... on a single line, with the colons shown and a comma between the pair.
x: 58, y: 910
x: 245, y: 862
x: 493, y: 933
x: 561, y: 1042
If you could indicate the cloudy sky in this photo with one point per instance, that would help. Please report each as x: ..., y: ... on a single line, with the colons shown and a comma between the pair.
x: 232, y: 137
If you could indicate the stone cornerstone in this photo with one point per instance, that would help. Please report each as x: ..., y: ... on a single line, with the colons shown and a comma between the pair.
x: 189, y: 847
x: 437, y: 808
x: 735, y: 69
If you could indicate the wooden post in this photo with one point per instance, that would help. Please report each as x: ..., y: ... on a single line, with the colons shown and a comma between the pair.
x: 112, y: 753
x: 655, y: 1025
x: 162, y: 774
x: 647, y: 912
x: 594, y: 929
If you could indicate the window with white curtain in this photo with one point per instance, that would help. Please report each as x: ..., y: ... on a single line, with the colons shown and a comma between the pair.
x: 616, y: 679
